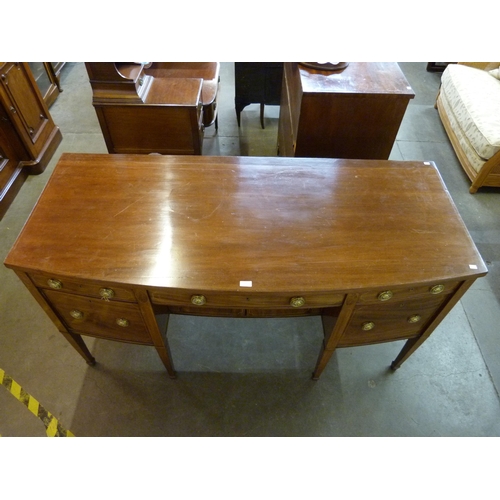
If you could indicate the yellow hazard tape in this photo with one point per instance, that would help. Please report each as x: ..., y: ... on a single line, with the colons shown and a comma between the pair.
x: 52, y: 427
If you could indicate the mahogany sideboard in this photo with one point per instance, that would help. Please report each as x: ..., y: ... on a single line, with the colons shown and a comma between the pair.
x: 28, y: 135
x: 354, y: 112
x: 376, y: 248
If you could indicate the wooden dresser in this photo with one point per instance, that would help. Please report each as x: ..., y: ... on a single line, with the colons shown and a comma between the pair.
x: 355, y: 112
x: 139, y: 113
x: 376, y: 248
x: 28, y: 135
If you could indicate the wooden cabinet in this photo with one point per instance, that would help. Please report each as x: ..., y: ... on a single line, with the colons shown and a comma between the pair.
x: 140, y: 113
x: 28, y: 135
x: 355, y: 112
x: 257, y: 82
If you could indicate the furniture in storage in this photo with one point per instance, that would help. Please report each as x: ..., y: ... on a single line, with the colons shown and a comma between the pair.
x: 245, y: 237
x: 139, y: 113
x: 28, y: 135
x: 354, y: 112
x: 209, y: 72
x: 468, y: 103
x: 257, y: 82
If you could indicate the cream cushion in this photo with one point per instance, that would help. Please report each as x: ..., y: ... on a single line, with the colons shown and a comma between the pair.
x: 474, y: 96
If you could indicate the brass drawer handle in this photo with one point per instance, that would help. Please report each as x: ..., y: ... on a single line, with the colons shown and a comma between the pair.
x: 122, y: 322
x: 106, y: 293
x: 368, y: 325
x: 76, y: 314
x: 437, y: 289
x: 198, y: 300
x: 414, y: 319
x: 55, y: 284
x: 383, y: 296
x: 297, y: 301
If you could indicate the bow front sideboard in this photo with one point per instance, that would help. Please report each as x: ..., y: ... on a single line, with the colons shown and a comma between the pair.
x: 375, y: 247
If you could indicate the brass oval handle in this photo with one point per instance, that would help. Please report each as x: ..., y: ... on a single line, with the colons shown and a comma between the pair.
x: 437, y: 289
x: 106, y: 293
x: 198, y: 300
x: 55, y: 284
x: 76, y: 314
x: 414, y: 319
x: 383, y: 296
x: 122, y: 322
x: 368, y: 325
x: 297, y: 301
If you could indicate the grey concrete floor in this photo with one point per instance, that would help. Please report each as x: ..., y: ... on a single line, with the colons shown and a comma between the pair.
x: 242, y: 377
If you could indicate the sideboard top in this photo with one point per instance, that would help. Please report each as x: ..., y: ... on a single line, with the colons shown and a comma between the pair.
x: 208, y: 223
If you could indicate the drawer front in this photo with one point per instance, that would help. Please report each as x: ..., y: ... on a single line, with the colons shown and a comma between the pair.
x: 370, y: 324
x: 98, y: 318
x: 105, y: 292
x: 425, y: 292
x: 245, y: 300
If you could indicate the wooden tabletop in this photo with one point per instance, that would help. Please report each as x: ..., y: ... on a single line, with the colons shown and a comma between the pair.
x: 208, y: 223
x: 358, y: 78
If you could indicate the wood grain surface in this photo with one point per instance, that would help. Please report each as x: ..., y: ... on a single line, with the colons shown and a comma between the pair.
x: 285, y: 224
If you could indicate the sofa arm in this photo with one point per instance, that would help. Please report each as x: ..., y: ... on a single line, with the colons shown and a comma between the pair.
x: 487, y: 66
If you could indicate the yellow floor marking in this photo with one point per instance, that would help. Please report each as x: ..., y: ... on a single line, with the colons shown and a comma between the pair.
x: 52, y: 427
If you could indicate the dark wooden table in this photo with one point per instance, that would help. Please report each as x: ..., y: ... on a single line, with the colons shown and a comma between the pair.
x: 257, y: 82
x: 377, y: 248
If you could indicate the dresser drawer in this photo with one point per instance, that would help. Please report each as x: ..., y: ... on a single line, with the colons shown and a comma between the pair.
x: 370, y: 324
x: 245, y: 300
x: 99, y: 318
x: 109, y: 292
x: 425, y: 292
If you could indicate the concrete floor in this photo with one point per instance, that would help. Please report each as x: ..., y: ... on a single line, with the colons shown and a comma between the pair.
x: 252, y: 377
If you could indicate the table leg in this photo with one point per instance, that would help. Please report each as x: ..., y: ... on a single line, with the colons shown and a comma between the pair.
x: 334, y: 325
x: 79, y: 345
x: 159, y: 341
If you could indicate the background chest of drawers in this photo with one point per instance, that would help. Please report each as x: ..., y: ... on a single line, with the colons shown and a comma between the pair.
x: 354, y: 113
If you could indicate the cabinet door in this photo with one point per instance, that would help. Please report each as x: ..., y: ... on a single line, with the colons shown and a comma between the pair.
x: 24, y: 101
x: 46, y: 79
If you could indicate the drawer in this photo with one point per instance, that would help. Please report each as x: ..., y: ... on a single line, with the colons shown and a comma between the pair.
x: 370, y: 324
x: 110, y: 292
x: 245, y: 300
x: 99, y: 318
x: 398, y: 293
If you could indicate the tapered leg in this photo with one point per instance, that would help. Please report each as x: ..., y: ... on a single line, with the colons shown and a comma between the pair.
x: 79, y: 345
x: 334, y: 324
